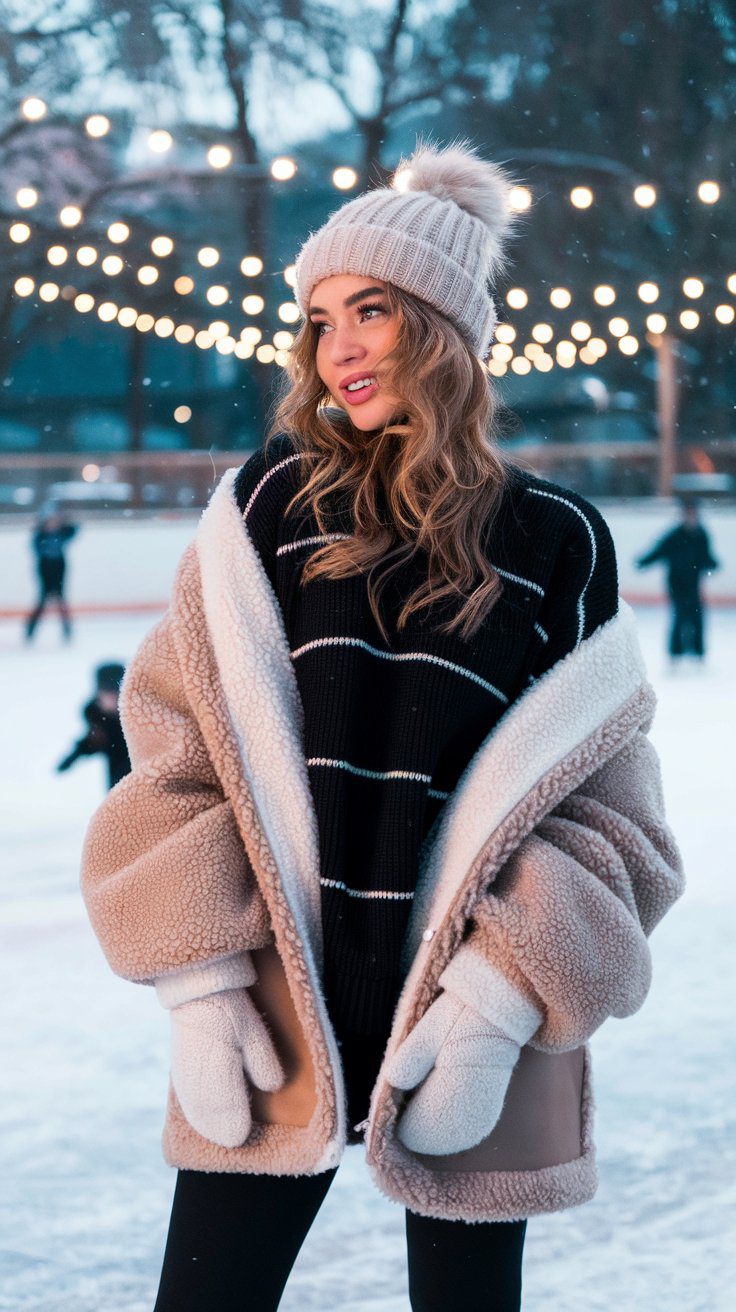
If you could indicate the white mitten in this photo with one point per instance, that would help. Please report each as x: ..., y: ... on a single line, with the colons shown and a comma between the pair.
x: 218, y: 1037
x: 461, y: 1053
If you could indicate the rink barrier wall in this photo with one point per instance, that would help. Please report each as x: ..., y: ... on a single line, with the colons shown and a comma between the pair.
x: 126, y: 566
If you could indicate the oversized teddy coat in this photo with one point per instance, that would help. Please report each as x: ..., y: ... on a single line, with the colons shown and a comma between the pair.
x: 552, y: 858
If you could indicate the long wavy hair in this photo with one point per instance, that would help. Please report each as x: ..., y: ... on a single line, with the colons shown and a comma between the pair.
x: 426, y: 486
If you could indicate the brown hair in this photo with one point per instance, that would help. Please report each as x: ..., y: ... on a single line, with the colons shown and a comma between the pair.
x: 436, y: 463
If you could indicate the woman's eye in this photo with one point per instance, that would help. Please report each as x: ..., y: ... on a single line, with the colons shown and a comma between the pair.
x: 362, y: 310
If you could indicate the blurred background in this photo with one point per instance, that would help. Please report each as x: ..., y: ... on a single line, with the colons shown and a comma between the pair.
x: 160, y: 164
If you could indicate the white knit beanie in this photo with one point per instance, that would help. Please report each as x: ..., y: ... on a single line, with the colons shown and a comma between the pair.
x: 437, y: 231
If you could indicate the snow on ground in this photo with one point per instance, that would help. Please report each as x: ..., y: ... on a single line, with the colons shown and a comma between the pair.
x: 86, y: 1194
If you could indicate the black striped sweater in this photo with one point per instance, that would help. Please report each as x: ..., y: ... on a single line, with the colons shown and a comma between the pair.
x: 389, y: 730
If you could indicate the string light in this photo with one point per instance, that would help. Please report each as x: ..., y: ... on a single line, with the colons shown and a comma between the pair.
x: 505, y: 332
x: 251, y: 266
x: 84, y: 302
x: 19, y: 232
x: 542, y: 332
x: 162, y: 246
x: 33, y: 108
x: 208, y: 256
x: 26, y: 197
x: 217, y: 329
x: 618, y: 327
x: 217, y: 295
x: 560, y: 297
x: 648, y: 292
x: 97, y: 125
x: 112, y: 265
x: 724, y: 313
x: 218, y: 157
x: 288, y: 312
x: 57, y: 254
x: 604, y: 295
x: 24, y: 286
x: 164, y: 327
x: 283, y: 168
x: 144, y: 323
x: 656, y: 323
x: 118, y: 232
x: 184, y: 333
x: 645, y: 195
x: 127, y: 316
x: 693, y: 287
x: 519, y: 199
x: 147, y: 274
x: 628, y: 344
x: 70, y: 216
x: 581, y: 197
x: 253, y: 304
x: 344, y: 178
x: 689, y: 319
x: 517, y: 298
x: 184, y: 285
x: 107, y: 311
x: 159, y: 141
x: 182, y: 414
x: 48, y: 291
x: 86, y: 255
x: 709, y: 192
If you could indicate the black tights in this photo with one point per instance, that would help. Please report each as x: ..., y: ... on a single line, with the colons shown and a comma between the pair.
x: 233, y: 1239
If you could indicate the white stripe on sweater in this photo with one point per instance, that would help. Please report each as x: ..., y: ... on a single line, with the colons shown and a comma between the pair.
x: 366, y: 892
x: 269, y: 474
x: 337, y: 537
x: 348, y: 641
x: 540, y: 492
x: 370, y: 774
x: 516, y: 578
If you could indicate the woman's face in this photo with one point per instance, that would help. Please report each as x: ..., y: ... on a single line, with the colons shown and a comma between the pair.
x: 355, y: 330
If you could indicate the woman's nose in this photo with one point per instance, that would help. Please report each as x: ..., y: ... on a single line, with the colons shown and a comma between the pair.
x: 345, y: 345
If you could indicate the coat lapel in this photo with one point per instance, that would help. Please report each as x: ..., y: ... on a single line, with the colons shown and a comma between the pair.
x: 251, y: 649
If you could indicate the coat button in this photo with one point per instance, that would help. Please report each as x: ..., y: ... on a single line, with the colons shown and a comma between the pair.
x: 427, y: 935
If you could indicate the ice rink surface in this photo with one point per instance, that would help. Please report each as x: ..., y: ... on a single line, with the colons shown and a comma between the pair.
x: 85, y: 1192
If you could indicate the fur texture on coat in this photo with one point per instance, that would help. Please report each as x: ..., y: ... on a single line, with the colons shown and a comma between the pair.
x: 552, y: 858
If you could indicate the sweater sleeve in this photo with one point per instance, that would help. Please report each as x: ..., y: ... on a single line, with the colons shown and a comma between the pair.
x: 165, y: 876
x: 567, y: 919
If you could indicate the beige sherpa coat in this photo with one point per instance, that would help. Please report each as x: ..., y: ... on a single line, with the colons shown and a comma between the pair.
x: 552, y: 857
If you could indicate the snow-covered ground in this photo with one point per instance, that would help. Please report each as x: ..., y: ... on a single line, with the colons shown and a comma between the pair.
x: 83, y: 1056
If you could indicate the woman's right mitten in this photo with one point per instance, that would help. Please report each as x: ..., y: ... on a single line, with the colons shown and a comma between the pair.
x: 219, y: 1042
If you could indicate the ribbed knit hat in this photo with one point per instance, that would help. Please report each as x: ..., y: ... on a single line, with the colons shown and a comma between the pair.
x: 436, y: 231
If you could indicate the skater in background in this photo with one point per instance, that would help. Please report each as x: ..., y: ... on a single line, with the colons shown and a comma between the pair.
x: 50, y: 538
x: 687, y: 553
x: 104, y: 734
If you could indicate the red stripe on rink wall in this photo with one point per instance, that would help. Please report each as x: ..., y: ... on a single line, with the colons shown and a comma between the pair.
x: 158, y: 607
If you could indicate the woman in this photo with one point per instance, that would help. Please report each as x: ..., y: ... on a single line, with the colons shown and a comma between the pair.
x: 394, y: 837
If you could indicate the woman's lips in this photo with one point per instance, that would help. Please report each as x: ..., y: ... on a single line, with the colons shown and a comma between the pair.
x: 362, y: 394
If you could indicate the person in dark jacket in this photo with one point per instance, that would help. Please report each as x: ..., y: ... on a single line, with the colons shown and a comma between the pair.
x: 687, y: 553
x: 50, y: 538
x: 104, y: 734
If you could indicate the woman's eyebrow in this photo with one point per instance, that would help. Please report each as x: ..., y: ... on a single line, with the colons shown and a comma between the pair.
x: 350, y: 300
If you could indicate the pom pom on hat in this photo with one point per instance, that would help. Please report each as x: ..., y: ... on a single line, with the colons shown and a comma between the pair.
x: 457, y: 173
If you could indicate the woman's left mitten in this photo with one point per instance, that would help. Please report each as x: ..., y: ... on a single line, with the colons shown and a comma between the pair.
x: 461, y: 1061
